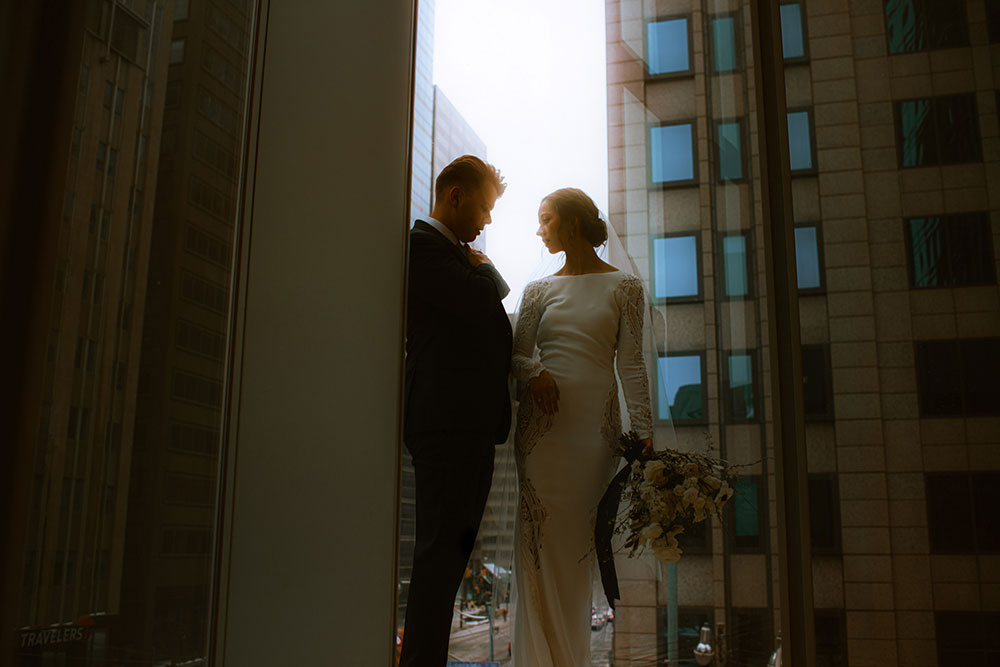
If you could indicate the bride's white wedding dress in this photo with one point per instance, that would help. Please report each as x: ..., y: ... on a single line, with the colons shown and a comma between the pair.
x: 565, y: 461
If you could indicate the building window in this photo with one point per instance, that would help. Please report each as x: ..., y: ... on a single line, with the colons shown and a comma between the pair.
x: 793, y: 32
x: 729, y: 145
x: 961, y: 512
x: 735, y: 267
x: 681, y: 387
x: 808, y: 259
x: 668, y: 46
x: 950, y: 251
x: 672, y: 154
x: 745, y: 526
x: 120, y: 102
x: 725, y: 44
x: 831, y: 637
x: 958, y: 377
x: 676, y: 268
x: 993, y: 19
x: 800, y: 141
x: 739, y: 396
x: 919, y: 25
x: 190, y: 489
x: 181, y: 9
x: 824, y: 514
x: 109, y: 94
x: 817, y: 388
x: 750, y: 637
x: 696, y: 539
x: 938, y: 130
x: 967, y: 638
x: 689, y: 622
x: 177, y: 51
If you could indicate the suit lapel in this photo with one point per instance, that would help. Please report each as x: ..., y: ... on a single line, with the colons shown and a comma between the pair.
x: 426, y: 228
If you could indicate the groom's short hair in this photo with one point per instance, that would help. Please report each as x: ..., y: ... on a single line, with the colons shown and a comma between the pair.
x: 468, y: 172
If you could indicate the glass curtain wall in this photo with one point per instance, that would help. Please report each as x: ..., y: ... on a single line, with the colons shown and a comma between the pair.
x: 127, y: 408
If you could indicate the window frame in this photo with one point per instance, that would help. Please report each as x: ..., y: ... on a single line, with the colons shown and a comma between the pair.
x: 666, y: 76
x: 703, y: 364
x: 947, y: 219
x: 699, y: 297
x: 739, y: 63
x: 820, y: 258
x: 933, y: 100
x: 804, y: 58
x: 813, y: 169
x: 669, y: 185
x: 740, y: 122
x: 720, y: 258
x: 727, y: 406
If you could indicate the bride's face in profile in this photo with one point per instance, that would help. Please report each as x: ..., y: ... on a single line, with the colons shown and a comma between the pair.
x: 549, y: 227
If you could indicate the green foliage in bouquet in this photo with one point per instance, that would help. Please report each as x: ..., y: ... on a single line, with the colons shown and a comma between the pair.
x: 667, y: 492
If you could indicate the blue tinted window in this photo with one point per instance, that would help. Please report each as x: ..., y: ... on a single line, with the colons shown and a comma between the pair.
x: 741, y: 386
x: 734, y: 256
x: 730, y: 152
x: 807, y: 258
x: 668, y: 46
x: 793, y: 43
x: 950, y: 251
x: 672, y: 153
x: 724, y: 43
x: 680, y: 389
x: 675, y: 268
x: 916, y: 130
x: 917, y: 25
x: 799, y: 141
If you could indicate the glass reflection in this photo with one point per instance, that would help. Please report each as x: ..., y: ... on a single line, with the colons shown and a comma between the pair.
x: 667, y: 43
x: 676, y: 260
x: 681, y: 396
x: 672, y: 153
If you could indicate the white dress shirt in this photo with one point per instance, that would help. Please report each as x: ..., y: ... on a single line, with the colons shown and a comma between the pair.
x: 441, y: 227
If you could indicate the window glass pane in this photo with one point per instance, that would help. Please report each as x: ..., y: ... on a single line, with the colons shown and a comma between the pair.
x: 915, y: 131
x: 680, y: 387
x: 957, y: 125
x: 676, y: 266
x: 177, y: 52
x: 672, y: 153
x: 939, y: 378
x: 993, y: 19
x: 741, y: 399
x: 948, y: 24
x: 980, y: 370
x: 986, y: 500
x: 746, y: 517
x: 668, y: 46
x: 750, y: 637
x: 730, y: 152
x: 807, y: 266
x: 181, y: 10
x: 928, y: 252
x: 734, y: 253
x: 793, y: 43
x: 906, y: 23
x: 816, y: 398
x: 830, y: 631
x: 724, y: 43
x: 799, y: 141
x: 950, y: 524
x: 824, y: 510
x: 970, y: 245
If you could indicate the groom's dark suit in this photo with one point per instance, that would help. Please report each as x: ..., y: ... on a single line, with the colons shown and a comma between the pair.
x: 458, y: 347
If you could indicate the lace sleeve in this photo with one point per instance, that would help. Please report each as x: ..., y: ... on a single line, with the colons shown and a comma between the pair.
x: 524, y: 366
x: 630, y: 361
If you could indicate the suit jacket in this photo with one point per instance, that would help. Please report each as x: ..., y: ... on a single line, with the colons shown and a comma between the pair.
x: 458, y: 342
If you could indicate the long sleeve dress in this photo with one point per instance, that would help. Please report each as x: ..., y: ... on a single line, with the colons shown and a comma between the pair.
x: 582, y: 327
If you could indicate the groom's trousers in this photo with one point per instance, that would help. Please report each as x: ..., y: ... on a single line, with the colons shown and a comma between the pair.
x: 453, y: 473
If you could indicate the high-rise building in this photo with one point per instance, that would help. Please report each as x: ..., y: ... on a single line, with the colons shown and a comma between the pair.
x: 105, y: 147
x: 175, y: 460
x: 893, y: 154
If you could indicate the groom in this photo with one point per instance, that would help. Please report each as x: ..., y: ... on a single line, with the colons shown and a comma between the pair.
x: 458, y: 346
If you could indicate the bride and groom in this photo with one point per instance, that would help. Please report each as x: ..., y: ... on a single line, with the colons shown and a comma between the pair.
x: 574, y: 330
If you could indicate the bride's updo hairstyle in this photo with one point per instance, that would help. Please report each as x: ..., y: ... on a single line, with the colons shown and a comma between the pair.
x: 573, y: 203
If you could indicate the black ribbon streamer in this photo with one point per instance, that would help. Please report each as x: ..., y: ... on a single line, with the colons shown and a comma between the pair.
x: 607, y: 517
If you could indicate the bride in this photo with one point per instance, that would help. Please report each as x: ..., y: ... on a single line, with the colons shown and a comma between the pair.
x: 574, y: 328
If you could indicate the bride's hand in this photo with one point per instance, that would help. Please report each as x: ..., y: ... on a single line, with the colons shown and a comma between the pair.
x: 544, y: 392
x: 648, y: 449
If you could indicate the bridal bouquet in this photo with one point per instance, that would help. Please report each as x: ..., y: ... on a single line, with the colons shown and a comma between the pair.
x: 668, y: 492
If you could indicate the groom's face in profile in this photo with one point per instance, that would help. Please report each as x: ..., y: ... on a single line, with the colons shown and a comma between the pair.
x: 473, y: 211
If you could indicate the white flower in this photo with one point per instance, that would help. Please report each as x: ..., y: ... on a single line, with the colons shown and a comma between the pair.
x: 653, y: 470
x: 651, y: 532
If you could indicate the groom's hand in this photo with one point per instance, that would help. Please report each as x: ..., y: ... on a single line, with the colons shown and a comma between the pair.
x: 476, y: 258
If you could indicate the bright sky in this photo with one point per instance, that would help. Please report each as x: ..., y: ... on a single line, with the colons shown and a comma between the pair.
x: 529, y: 77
